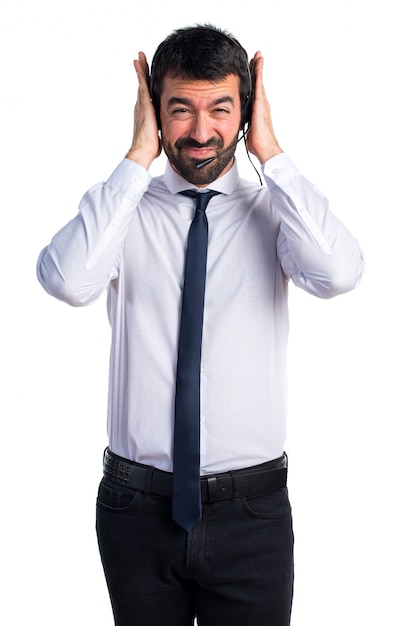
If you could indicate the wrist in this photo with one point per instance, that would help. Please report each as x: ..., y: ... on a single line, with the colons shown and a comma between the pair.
x: 268, y: 153
x: 139, y: 156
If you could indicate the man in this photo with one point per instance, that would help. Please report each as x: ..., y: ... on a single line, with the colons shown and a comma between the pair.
x: 218, y: 546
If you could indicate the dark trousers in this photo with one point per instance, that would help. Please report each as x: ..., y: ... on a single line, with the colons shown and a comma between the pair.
x: 235, y: 568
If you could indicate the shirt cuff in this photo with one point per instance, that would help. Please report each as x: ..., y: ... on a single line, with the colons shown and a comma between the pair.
x: 131, y: 177
x: 280, y: 168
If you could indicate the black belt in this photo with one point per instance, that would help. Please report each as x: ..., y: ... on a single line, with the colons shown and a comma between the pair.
x: 253, y: 481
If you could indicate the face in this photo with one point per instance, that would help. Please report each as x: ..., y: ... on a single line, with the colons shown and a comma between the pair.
x: 200, y: 119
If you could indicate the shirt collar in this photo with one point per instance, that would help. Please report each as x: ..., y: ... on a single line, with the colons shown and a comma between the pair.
x: 225, y: 184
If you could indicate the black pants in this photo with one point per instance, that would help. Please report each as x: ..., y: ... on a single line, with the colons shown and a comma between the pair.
x: 235, y: 568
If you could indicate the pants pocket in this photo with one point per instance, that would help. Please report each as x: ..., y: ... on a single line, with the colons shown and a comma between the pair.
x: 113, y: 497
x: 274, y: 505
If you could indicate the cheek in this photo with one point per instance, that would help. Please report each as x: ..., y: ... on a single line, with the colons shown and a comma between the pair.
x: 171, y: 131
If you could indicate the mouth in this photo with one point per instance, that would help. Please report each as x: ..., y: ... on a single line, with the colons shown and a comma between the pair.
x: 196, y: 151
x: 199, y: 153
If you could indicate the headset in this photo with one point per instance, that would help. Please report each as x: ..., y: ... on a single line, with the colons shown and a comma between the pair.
x: 246, y: 105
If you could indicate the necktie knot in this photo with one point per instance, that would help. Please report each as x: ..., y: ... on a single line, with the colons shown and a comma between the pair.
x: 202, y: 197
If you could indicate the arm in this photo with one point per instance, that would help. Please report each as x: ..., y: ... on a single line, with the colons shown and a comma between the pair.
x: 84, y: 255
x: 314, y: 247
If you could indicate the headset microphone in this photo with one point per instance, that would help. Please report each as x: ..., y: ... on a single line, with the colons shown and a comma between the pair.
x: 207, y: 161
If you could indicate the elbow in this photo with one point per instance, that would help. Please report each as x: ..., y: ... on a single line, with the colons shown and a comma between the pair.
x: 337, y: 287
x: 66, y: 293
x: 349, y: 275
x: 341, y: 280
x: 54, y: 283
x: 329, y: 276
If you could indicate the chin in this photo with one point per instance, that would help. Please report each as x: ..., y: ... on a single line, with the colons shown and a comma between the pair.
x: 205, y: 175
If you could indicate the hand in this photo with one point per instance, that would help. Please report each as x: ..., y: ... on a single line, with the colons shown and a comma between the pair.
x: 261, y: 140
x: 146, y: 144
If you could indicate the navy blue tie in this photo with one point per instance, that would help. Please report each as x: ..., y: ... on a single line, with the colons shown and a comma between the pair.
x: 187, y: 507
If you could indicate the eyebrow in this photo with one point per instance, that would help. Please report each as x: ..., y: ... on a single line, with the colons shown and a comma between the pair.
x: 176, y: 100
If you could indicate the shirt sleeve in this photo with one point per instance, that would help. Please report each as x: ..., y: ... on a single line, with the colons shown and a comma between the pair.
x: 315, y: 249
x: 84, y: 256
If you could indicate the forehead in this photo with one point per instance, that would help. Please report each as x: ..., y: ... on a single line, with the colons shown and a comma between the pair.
x: 176, y: 87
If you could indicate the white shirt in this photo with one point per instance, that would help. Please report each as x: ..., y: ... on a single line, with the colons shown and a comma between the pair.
x: 130, y: 237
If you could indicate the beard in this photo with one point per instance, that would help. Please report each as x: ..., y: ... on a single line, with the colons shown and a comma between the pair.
x: 186, y: 166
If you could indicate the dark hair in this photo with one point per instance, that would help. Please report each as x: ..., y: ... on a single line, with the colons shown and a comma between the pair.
x: 201, y: 52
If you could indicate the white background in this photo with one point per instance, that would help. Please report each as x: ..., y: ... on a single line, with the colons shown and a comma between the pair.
x: 341, y: 77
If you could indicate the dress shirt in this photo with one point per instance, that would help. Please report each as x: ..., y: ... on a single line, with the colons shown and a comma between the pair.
x: 129, y: 237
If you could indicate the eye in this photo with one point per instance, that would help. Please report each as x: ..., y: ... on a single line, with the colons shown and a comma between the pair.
x: 179, y: 111
x: 221, y: 111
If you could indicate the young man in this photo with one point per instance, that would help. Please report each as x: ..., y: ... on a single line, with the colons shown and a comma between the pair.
x: 193, y: 515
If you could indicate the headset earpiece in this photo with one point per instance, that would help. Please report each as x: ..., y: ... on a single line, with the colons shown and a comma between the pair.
x: 247, y: 105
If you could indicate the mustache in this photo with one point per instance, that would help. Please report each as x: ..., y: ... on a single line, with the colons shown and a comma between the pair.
x: 188, y: 142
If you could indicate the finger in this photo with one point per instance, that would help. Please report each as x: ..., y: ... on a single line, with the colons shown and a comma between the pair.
x: 141, y: 67
x: 255, y: 58
x: 257, y: 72
x: 258, y: 62
x: 142, y: 59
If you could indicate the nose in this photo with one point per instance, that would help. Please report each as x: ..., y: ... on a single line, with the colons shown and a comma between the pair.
x: 201, y: 129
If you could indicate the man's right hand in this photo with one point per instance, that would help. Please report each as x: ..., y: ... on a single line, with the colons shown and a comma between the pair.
x: 146, y: 143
